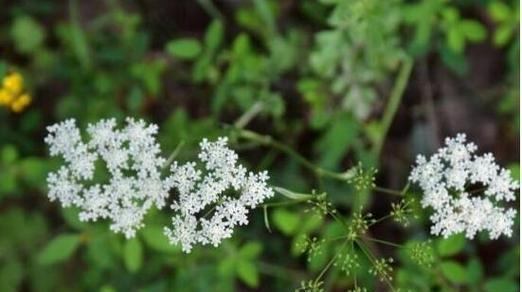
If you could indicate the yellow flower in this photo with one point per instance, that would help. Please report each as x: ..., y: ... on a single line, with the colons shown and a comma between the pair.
x: 6, y: 97
x: 14, y: 83
x: 20, y: 103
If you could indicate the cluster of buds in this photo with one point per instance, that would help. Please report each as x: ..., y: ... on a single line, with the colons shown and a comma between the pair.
x: 12, y: 94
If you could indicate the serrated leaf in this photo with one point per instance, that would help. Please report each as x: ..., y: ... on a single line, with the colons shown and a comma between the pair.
x: 186, y: 48
x: 59, y: 249
x: 454, y: 272
x: 451, y: 245
x: 133, y: 255
x: 248, y: 273
x: 286, y: 221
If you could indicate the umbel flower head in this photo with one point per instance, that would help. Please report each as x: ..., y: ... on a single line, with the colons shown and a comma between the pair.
x: 465, y: 190
x: 132, y: 158
x: 215, y: 198
x: 211, y: 199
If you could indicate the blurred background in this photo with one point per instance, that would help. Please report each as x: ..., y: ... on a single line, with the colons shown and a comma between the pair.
x: 319, y: 76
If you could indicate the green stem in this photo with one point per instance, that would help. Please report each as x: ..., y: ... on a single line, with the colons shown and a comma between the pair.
x: 388, y: 191
x: 393, y: 104
x: 173, y: 155
x: 383, y: 242
x: 330, y: 263
x: 245, y: 118
x: 269, y: 141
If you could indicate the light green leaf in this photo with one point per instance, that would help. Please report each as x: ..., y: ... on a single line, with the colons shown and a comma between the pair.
x: 286, y: 221
x: 473, y: 30
x: 454, y: 272
x: 214, y: 35
x: 455, y: 40
x: 155, y: 239
x: 250, y: 250
x: 499, y: 11
x: 27, y: 34
x: 503, y: 34
x: 59, y: 249
x: 186, y: 48
x: 451, y: 245
x: 248, y: 273
x: 133, y: 255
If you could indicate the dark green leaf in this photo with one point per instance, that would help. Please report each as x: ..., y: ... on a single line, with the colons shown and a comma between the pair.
x: 454, y: 272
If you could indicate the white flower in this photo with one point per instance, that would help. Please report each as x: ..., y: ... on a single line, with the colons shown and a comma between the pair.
x: 132, y: 157
x: 212, y: 201
x: 446, y: 180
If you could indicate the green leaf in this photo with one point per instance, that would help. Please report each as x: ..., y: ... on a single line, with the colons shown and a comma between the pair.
x: 500, y: 284
x: 27, y: 34
x: 250, y: 250
x: 186, y: 48
x: 475, y: 271
x: 286, y: 221
x: 453, y: 60
x: 9, y: 154
x: 59, y: 249
x: 451, y: 245
x: 499, y: 11
x: 155, y: 239
x: 503, y: 34
x: 455, y: 40
x: 454, y: 272
x: 473, y: 30
x: 248, y: 273
x: 214, y: 35
x: 133, y: 255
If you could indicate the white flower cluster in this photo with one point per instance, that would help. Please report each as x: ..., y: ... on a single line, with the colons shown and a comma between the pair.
x: 446, y: 178
x: 134, y: 163
x: 132, y: 158
x: 206, y: 213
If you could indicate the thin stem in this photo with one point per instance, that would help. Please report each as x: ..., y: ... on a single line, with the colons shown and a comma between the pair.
x: 373, y: 261
x: 173, y: 154
x: 388, y: 191
x: 393, y: 104
x: 330, y: 263
x: 269, y: 141
x: 285, y: 203
x: 246, y: 117
x: 384, y: 242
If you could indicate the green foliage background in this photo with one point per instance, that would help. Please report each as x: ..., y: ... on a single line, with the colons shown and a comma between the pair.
x: 318, y: 76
